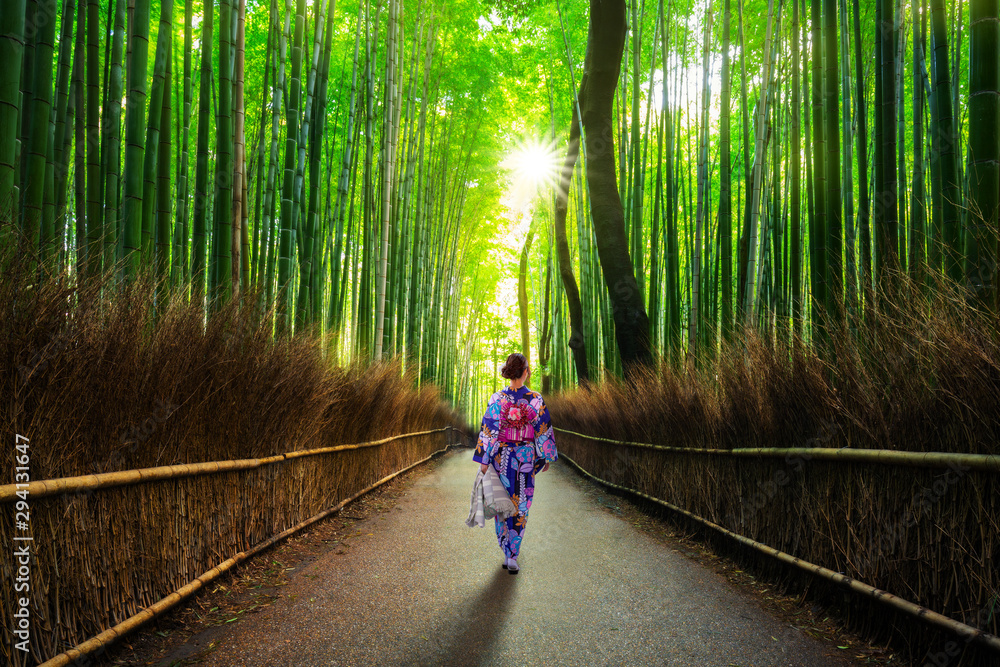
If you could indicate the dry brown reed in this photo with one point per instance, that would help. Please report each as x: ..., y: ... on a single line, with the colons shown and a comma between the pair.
x: 103, y: 378
x: 921, y: 374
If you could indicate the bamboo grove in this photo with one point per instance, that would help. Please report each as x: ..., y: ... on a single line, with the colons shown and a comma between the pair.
x: 778, y: 162
x: 316, y: 155
x: 785, y: 164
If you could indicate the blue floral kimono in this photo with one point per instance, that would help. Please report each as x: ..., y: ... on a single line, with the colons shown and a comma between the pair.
x: 516, y: 437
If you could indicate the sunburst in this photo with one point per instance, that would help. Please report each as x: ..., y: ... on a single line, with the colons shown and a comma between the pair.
x: 535, y: 166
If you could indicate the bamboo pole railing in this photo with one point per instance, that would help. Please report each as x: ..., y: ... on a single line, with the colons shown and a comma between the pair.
x: 101, y: 641
x: 967, y: 632
x: 982, y: 462
x: 104, y: 480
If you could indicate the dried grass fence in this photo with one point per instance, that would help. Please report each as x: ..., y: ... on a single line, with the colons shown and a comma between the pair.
x: 108, y: 546
x: 922, y: 526
x: 179, y: 435
x: 876, y: 459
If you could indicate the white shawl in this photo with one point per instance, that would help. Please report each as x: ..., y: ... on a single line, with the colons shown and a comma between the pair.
x: 489, y: 499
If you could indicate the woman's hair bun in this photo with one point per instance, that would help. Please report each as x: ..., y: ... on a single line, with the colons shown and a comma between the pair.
x: 514, y: 367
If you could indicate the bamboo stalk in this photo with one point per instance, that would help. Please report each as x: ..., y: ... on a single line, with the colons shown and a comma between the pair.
x: 158, y: 608
x: 63, y: 485
x: 984, y: 462
x: 967, y: 632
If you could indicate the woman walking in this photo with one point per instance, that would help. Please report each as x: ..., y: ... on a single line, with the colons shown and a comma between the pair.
x: 516, y: 438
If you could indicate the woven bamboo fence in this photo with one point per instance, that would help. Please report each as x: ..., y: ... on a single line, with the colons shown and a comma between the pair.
x: 111, y: 545
x: 922, y: 526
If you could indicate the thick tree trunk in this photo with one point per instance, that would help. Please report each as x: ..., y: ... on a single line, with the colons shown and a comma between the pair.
x: 605, y: 44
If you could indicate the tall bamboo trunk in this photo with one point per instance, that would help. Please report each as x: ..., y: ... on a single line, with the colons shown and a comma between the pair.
x: 291, y: 145
x: 41, y: 108
x: 834, y: 214
x: 164, y: 195
x: 694, y: 319
x: 885, y: 140
x: 419, y: 230
x: 761, y: 132
x: 239, y: 145
x: 112, y: 133
x: 222, y: 243
x: 817, y: 222
x: 388, y: 166
x: 134, y: 139
x: 272, y: 161
x: 320, y: 219
x: 306, y: 227
x: 78, y: 109
x: 725, y: 181
x: 95, y: 217
x: 11, y: 51
x: 743, y: 260
x: 343, y: 183
x: 199, y: 235
x: 795, y: 231
x: 522, y: 294
x: 864, y: 212
x: 151, y: 237
x: 61, y: 136
x: 181, y: 224
x: 984, y: 150
x: 917, y: 199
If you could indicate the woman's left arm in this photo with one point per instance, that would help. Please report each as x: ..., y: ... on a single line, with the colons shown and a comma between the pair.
x: 545, y: 443
x: 486, y: 446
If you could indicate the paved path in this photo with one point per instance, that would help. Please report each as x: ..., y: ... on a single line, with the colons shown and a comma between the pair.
x: 425, y: 589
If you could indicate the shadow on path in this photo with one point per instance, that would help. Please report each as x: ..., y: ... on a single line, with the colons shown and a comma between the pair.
x: 468, y: 636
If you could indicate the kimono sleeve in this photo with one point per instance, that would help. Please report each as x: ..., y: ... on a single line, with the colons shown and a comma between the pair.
x: 486, y: 446
x: 545, y: 443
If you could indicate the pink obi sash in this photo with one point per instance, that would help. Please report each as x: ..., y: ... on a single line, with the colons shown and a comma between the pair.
x: 515, y: 434
x: 516, y: 421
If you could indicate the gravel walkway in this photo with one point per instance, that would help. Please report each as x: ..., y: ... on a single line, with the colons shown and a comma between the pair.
x: 417, y: 587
